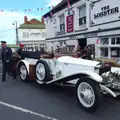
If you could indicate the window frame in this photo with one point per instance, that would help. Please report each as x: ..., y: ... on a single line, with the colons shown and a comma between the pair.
x: 82, y: 18
x: 62, y: 22
x: 115, y: 40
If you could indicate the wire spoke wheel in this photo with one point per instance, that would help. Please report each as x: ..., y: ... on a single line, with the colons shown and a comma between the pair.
x: 86, y: 94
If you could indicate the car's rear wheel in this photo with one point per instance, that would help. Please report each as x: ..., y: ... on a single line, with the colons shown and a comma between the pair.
x: 23, y: 73
x: 88, y: 93
x: 43, y: 72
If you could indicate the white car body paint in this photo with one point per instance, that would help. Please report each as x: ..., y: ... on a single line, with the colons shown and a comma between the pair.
x: 72, y: 60
x: 68, y: 66
x: 92, y: 75
x: 71, y: 66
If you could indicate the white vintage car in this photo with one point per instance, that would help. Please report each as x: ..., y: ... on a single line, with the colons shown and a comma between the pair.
x: 91, y: 78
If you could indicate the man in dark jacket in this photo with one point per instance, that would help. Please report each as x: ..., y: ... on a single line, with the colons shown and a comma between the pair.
x: 6, y: 54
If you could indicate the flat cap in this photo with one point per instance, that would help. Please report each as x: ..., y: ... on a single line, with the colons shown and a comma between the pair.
x: 3, y: 42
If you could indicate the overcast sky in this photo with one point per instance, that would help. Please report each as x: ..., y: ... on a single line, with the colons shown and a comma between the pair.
x: 14, y: 10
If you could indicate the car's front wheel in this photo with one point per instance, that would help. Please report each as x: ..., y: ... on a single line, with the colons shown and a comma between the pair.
x: 88, y: 93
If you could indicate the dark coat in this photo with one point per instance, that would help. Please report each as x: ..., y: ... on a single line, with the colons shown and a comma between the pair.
x: 6, y: 54
x: 21, y: 53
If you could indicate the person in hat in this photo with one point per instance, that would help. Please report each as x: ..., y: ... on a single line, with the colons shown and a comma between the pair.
x: 20, y: 51
x: 6, y: 54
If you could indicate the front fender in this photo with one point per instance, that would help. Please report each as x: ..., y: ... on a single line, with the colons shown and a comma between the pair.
x: 73, y: 78
x: 94, y: 76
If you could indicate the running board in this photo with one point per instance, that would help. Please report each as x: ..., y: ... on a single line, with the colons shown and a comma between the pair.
x: 63, y: 79
x: 65, y: 84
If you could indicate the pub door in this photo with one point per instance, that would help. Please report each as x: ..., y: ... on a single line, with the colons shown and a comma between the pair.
x: 82, y: 42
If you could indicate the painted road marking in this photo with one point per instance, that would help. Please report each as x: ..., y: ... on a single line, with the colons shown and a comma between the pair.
x: 26, y: 111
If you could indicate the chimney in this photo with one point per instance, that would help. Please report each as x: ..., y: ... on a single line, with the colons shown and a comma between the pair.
x: 42, y: 20
x: 25, y: 19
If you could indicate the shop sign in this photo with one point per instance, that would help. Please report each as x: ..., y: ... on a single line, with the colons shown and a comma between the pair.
x: 90, y: 35
x: 73, y: 37
x: 70, y: 22
x: 104, y: 11
x: 35, y: 34
x: 31, y: 34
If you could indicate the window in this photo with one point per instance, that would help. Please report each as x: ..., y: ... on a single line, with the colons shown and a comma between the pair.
x: 118, y: 40
x: 115, y: 41
x: 82, y: 15
x: 104, y: 52
x: 115, y: 52
x: 62, y: 22
x: 104, y: 41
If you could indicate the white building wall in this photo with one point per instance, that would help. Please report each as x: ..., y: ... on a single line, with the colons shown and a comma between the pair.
x: 89, y: 16
x: 32, y: 38
x: 102, y: 27
x: 50, y: 26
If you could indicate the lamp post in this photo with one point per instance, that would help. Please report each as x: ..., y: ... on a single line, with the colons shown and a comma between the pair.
x: 16, y: 30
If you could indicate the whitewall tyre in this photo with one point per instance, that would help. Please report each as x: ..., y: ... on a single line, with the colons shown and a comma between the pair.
x: 23, y: 73
x: 40, y: 72
x: 43, y: 72
x: 88, y: 94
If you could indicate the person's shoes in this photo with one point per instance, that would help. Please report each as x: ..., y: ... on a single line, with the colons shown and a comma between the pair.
x: 14, y: 77
x: 3, y: 80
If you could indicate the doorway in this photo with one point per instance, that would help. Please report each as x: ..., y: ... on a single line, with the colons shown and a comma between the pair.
x: 82, y: 42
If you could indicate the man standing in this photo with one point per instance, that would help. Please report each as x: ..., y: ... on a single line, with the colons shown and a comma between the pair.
x: 20, y: 51
x: 6, y: 54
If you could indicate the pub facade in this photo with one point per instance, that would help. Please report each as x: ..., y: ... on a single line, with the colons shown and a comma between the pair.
x: 85, y: 22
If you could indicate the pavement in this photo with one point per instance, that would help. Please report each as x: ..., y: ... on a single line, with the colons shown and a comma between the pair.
x: 31, y: 101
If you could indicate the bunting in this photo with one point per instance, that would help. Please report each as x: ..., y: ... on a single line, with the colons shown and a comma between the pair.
x: 68, y: 1
x: 70, y: 10
x: 51, y: 15
x: 27, y: 10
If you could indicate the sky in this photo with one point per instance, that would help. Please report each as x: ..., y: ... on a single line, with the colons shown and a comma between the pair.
x: 13, y: 10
